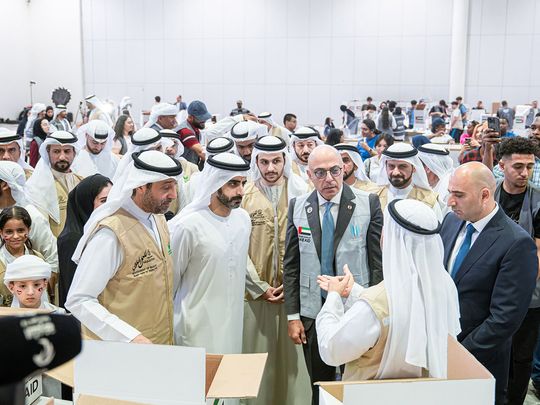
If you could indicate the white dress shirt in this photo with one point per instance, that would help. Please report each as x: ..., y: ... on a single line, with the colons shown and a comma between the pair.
x: 334, y: 210
x: 346, y: 332
x: 99, y: 263
x: 478, y: 227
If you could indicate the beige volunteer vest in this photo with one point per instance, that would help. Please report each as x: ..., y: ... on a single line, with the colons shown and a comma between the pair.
x: 366, y: 367
x: 263, y: 233
x: 140, y: 293
x: 421, y: 194
x: 62, y: 194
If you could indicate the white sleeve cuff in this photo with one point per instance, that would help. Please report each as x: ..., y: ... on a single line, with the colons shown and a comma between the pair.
x: 293, y: 317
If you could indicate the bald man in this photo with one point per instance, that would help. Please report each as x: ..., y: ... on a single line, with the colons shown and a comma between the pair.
x: 494, y: 265
x: 327, y: 228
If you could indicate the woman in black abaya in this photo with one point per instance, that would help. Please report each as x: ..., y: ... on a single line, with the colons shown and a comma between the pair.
x: 89, y: 194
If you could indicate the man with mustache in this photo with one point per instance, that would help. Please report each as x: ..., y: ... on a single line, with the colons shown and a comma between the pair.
x: 520, y: 200
x: 210, y: 240
x: 266, y: 200
x: 122, y: 289
x: 332, y: 226
x: 52, y: 180
x: 405, y: 177
x: 354, y: 172
x: 303, y: 140
x: 244, y: 135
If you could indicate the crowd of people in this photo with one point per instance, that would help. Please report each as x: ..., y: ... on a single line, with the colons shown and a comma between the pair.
x: 348, y: 252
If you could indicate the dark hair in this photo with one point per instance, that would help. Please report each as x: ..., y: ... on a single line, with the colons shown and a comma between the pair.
x: 504, y: 102
x: 288, y: 117
x: 334, y: 136
x: 49, y: 108
x: 158, y: 99
x: 371, y: 107
x: 454, y: 103
x: 442, y: 103
x: 516, y: 145
x: 119, y: 127
x: 371, y: 126
x: 392, y: 105
x: 397, y: 111
x: 414, y: 102
x: 369, y: 98
x: 37, y: 130
x: 385, y: 118
x: 459, y: 98
x: 16, y: 213
x: 384, y: 137
x: 327, y: 120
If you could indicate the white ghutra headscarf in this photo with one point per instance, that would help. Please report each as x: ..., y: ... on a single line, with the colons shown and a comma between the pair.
x: 422, y: 297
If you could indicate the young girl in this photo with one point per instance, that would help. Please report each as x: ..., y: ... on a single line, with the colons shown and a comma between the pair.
x: 26, y: 278
x: 15, y: 224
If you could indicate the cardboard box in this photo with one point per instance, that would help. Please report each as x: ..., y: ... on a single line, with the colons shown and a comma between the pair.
x: 159, y: 375
x: 468, y: 383
x: 33, y: 388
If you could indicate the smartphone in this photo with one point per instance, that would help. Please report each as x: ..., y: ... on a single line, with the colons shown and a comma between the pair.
x: 468, y: 141
x: 494, y: 124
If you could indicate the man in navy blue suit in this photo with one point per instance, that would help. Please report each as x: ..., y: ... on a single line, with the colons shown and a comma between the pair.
x: 494, y: 265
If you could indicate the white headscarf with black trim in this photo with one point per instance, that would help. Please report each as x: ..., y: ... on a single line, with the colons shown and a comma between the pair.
x: 296, y: 186
x: 41, y: 189
x: 145, y: 168
x: 406, y: 153
x: 422, y: 297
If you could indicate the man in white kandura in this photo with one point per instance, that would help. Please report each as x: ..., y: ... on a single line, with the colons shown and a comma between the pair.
x: 210, y: 239
x: 439, y: 167
x: 398, y: 328
x: 12, y: 149
x: 122, y: 289
x: 303, y: 141
x: 266, y: 200
x: 402, y: 176
x: 95, y: 156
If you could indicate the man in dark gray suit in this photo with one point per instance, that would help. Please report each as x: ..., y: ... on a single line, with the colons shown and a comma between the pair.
x: 494, y: 265
x: 332, y: 226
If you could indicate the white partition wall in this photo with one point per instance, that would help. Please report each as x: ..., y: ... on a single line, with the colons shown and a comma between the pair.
x: 297, y: 56
x: 503, y: 57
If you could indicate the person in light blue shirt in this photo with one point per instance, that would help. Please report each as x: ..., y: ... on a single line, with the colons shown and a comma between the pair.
x: 366, y: 144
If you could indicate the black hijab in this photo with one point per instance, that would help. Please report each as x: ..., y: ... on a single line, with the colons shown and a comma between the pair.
x: 79, y: 208
x: 38, y: 131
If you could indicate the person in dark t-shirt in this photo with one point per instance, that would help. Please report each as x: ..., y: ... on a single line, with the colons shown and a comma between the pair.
x: 520, y: 200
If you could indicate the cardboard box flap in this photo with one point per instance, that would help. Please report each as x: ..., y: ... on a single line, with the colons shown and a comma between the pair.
x: 238, y: 376
x: 92, y: 400
x: 8, y: 311
x: 63, y: 373
x: 462, y: 365
x: 212, y: 364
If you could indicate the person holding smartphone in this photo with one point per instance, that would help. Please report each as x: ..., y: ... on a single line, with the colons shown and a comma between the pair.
x: 475, y: 150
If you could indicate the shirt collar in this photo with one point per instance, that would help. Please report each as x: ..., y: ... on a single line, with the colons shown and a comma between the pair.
x: 130, y: 206
x: 481, y: 223
x: 335, y: 200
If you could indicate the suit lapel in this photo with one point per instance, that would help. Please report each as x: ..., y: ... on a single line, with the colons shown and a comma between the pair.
x: 312, y: 214
x: 346, y: 209
x: 489, y: 235
x: 455, y: 228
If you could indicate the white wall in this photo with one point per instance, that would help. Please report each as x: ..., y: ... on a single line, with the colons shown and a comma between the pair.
x: 301, y: 56
x: 503, y: 58
x: 40, y: 41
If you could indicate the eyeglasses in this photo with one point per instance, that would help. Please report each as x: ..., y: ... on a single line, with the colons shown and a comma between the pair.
x: 335, y: 171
